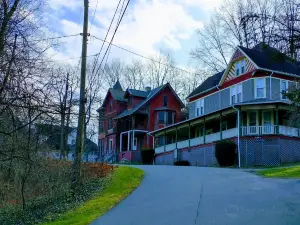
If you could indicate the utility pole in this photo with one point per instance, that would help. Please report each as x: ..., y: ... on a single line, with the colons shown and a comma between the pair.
x: 76, y: 169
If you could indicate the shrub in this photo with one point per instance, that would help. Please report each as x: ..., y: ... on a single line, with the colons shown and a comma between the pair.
x: 182, y: 163
x: 225, y: 152
x: 147, y: 155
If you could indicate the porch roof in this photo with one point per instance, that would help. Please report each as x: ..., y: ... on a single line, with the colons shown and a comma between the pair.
x: 256, y: 101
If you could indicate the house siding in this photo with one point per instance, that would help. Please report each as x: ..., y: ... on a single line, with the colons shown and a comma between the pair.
x: 192, y: 109
x: 225, y: 98
x: 248, y: 90
x: 275, y: 89
x: 212, y: 103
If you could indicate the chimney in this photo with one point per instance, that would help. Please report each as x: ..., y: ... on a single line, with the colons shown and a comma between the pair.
x: 148, y: 88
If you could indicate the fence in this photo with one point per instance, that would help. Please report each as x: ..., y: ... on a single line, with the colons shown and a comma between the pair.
x: 269, y: 151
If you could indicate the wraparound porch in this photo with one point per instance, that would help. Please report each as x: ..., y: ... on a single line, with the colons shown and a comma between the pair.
x: 259, y: 120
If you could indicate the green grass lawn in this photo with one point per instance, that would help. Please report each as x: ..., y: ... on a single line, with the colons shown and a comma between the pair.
x: 124, y: 181
x: 289, y: 172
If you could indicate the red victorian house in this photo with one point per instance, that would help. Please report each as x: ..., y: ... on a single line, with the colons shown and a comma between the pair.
x: 126, y: 117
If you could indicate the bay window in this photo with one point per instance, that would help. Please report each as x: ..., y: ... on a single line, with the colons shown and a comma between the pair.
x: 236, y: 94
x: 260, y: 88
x: 200, y: 107
x: 283, y: 89
x: 170, y: 119
x: 161, y: 117
x: 239, y: 93
x: 232, y: 94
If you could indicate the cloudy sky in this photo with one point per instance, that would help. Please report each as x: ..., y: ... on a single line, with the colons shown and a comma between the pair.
x: 147, y: 27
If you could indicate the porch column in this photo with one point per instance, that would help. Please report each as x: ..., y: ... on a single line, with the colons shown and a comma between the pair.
x: 204, y: 131
x: 132, y: 140
x: 165, y: 141
x: 128, y: 141
x: 176, y: 137
x: 189, y: 135
x: 121, y: 142
x: 276, y: 120
x: 239, y: 121
x: 221, y: 136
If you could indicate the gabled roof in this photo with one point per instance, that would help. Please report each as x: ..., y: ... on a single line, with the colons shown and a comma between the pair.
x: 150, y: 95
x: 138, y: 93
x: 208, y: 84
x: 116, y: 92
x: 118, y: 85
x: 263, y: 57
x: 266, y: 57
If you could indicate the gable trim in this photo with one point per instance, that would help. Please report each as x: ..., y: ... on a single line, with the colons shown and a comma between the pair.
x: 232, y: 63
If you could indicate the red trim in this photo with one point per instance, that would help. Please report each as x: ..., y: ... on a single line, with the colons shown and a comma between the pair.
x: 241, y: 79
x: 270, y: 137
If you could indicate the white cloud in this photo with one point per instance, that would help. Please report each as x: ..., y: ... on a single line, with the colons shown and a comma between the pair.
x: 146, y: 26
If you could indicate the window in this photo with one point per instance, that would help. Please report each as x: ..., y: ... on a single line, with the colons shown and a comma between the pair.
x: 237, y: 68
x: 170, y: 119
x: 161, y: 141
x: 209, y: 131
x: 110, y: 105
x: 110, y: 147
x: 165, y: 100
x: 161, y: 117
x: 243, y: 66
x: 240, y: 67
x: 260, y: 88
x: 224, y: 125
x: 239, y: 93
x: 110, y: 123
x: 101, y: 126
x: 283, y: 89
x: 252, y: 118
x: 200, y: 107
x: 233, y: 94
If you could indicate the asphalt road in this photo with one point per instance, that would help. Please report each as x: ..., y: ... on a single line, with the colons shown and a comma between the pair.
x: 207, y: 196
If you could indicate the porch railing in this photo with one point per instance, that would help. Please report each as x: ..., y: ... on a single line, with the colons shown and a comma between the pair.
x: 270, y: 129
x: 246, y: 131
x: 289, y: 131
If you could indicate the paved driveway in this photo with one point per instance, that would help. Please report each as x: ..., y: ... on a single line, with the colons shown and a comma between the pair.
x: 207, y: 196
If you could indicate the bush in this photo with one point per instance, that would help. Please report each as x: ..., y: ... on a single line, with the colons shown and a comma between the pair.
x: 147, y: 155
x: 182, y: 163
x: 225, y: 152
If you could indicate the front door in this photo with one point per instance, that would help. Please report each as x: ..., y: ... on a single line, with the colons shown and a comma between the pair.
x: 252, y: 122
x: 135, y: 143
x: 110, y: 147
x: 267, y: 122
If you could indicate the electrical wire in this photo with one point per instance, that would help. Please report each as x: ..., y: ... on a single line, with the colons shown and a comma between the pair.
x: 145, y: 57
x: 98, y: 54
x: 53, y: 38
x: 109, y: 51
x: 119, y: 22
x: 93, y: 18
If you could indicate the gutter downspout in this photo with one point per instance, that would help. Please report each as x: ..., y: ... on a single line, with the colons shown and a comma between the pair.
x: 238, y: 134
x: 271, y: 85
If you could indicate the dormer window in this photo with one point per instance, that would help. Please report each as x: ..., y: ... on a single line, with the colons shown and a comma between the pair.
x: 240, y: 67
x: 165, y: 100
x: 110, y: 105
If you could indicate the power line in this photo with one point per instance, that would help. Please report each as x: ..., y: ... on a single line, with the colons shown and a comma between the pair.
x: 98, y: 54
x: 119, y: 22
x: 119, y: 19
x: 145, y: 57
x: 53, y: 38
x: 93, y: 16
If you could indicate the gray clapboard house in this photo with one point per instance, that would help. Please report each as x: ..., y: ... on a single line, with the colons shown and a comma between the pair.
x: 245, y: 103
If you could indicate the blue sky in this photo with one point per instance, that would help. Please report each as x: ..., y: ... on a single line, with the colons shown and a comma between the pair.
x: 147, y: 27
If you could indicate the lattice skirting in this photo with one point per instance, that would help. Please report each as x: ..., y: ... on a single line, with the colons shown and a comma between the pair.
x: 272, y: 151
x: 264, y: 151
